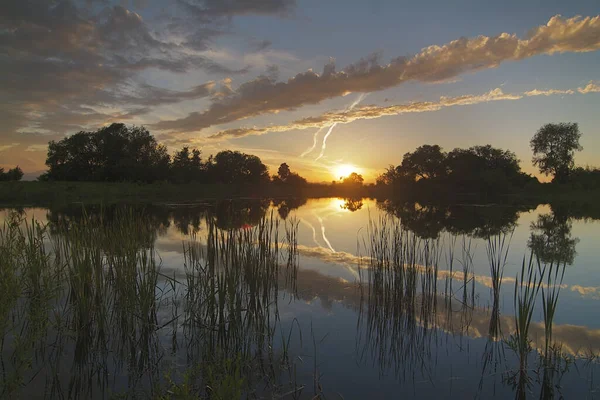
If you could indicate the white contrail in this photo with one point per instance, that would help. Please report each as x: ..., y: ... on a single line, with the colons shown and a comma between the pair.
x: 323, y: 234
x: 325, y: 140
x: 314, y: 142
x: 360, y: 98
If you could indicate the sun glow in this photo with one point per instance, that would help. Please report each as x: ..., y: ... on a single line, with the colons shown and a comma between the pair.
x: 341, y: 171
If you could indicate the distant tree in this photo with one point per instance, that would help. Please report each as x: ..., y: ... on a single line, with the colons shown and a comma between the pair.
x: 187, y: 166
x: 287, y: 177
x: 425, y: 162
x: 14, y: 174
x: 283, y: 172
x: 554, y: 147
x: 354, y: 179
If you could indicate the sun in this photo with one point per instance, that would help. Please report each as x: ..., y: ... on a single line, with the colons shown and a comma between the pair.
x: 343, y: 170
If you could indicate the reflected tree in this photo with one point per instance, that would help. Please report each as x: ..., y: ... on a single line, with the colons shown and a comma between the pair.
x: 151, y: 221
x: 425, y: 221
x: 428, y: 221
x: 551, y: 239
x: 285, y: 206
x: 240, y: 213
x: 352, y: 204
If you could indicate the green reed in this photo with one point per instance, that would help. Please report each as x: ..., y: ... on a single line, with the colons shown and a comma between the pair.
x: 85, y: 302
x: 497, y: 249
x: 527, y: 286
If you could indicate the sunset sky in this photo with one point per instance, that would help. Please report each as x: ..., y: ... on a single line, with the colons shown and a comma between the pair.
x: 275, y: 77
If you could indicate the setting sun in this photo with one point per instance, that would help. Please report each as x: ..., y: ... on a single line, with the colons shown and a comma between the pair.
x: 343, y: 170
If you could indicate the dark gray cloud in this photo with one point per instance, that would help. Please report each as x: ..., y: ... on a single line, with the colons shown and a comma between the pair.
x: 230, y: 8
x: 432, y: 64
x: 61, y: 61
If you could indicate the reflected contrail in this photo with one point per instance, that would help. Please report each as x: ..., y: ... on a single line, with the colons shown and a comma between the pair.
x: 314, y: 231
x: 316, y: 135
x: 356, y: 102
x: 323, y: 234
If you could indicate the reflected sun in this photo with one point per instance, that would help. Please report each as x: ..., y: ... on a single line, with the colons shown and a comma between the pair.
x: 343, y: 170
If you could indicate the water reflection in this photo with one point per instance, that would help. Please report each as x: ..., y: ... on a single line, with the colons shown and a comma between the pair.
x: 352, y: 204
x: 551, y: 238
x: 429, y: 220
x: 428, y: 289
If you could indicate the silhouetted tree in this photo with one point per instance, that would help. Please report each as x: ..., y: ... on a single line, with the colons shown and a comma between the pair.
x: 287, y: 177
x: 354, y: 179
x: 14, y: 174
x: 187, y: 166
x: 426, y: 162
x: 233, y: 167
x: 391, y: 176
x: 283, y: 172
x: 113, y: 153
x: 554, y: 147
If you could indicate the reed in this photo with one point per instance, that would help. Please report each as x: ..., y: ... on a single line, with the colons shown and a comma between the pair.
x: 84, y: 305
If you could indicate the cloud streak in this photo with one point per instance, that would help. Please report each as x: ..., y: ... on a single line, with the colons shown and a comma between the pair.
x: 432, y: 64
x: 374, y: 112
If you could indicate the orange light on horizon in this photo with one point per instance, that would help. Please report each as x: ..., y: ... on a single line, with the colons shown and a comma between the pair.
x: 343, y: 170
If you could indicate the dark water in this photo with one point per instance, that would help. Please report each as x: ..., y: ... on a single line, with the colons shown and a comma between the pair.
x: 345, y: 328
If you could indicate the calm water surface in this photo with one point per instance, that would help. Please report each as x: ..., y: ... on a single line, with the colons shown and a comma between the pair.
x: 352, y: 337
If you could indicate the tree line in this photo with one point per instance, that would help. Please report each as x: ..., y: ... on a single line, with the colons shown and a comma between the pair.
x: 14, y: 174
x: 489, y: 170
x: 119, y: 153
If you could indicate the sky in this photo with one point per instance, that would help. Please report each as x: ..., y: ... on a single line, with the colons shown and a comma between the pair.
x: 325, y: 86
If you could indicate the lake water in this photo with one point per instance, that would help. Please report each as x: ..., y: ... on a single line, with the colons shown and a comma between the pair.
x: 386, y: 301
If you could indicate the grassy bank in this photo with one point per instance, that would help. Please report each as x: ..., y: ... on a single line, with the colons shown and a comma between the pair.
x: 56, y: 193
x: 52, y: 193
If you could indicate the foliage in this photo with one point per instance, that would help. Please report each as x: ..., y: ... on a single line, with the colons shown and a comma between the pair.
x: 233, y: 167
x: 14, y: 174
x: 352, y: 204
x: 113, y: 153
x: 119, y: 153
x: 187, y: 166
x: 554, y: 147
x: 585, y: 178
x: 482, y: 169
x: 429, y: 220
x: 353, y: 179
x: 551, y: 239
x: 283, y: 172
x: 286, y: 177
x: 426, y: 162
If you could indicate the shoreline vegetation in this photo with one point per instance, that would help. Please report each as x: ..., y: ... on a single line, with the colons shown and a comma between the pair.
x: 31, y: 193
x: 127, y: 164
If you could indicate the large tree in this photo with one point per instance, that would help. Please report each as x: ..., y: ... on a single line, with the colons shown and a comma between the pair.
x: 554, y: 147
x: 113, y: 153
x: 354, y: 179
x: 238, y: 168
x: 426, y: 162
